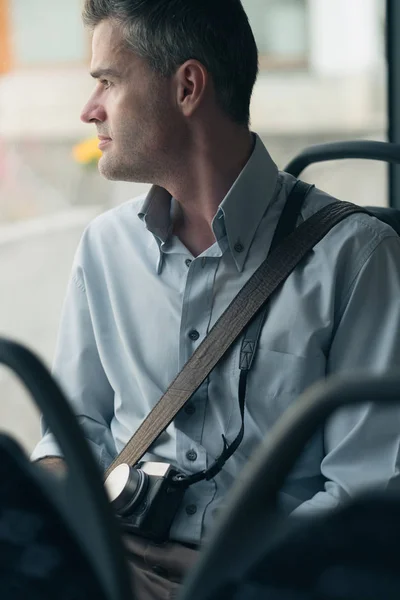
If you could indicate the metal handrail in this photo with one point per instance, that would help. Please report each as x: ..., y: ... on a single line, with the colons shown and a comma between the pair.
x: 370, y: 150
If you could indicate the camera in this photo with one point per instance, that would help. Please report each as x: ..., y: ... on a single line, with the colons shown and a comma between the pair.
x: 146, y: 498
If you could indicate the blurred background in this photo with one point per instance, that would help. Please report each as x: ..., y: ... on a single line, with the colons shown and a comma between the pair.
x: 322, y: 78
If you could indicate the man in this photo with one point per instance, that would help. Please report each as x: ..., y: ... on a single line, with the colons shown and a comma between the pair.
x: 171, y: 106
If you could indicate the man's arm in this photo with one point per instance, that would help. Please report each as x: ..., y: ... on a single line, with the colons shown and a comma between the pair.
x: 78, y: 369
x: 362, y: 443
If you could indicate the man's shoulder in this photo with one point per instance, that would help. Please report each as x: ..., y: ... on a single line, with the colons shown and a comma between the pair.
x: 118, y: 230
x: 349, y: 245
x: 118, y: 215
x: 357, y: 228
x: 115, y: 221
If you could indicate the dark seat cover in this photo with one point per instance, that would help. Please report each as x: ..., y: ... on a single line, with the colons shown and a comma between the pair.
x: 353, y: 554
x: 39, y: 557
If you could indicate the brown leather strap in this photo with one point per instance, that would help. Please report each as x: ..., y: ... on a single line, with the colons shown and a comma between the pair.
x: 273, y: 271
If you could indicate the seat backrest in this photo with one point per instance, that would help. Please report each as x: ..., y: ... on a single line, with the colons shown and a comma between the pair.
x: 79, y: 498
x: 40, y: 558
x: 352, y: 554
x: 357, y: 149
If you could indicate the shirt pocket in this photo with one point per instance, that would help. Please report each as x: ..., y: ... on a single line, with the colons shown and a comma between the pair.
x: 275, y: 383
x: 275, y: 373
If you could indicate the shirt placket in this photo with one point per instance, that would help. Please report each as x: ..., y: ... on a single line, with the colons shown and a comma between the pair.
x: 191, y: 455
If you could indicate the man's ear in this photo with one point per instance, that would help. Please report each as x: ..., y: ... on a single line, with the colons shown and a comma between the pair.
x: 192, y: 80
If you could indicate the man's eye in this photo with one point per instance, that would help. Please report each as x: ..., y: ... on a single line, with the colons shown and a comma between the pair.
x: 105, y: 83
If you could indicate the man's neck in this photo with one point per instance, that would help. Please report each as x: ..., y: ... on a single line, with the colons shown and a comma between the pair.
x: 209, y: 175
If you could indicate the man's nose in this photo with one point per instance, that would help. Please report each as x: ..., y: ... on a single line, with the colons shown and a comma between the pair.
x: 93, y: 112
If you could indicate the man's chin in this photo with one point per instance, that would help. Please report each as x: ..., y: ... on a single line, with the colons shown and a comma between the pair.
x: 110, y: 171
x: 114, y: 172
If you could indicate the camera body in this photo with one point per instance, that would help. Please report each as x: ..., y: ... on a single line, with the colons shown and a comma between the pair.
x: 146, y: 498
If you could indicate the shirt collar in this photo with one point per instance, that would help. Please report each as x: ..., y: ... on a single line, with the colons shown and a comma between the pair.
x: 246, y: 202
x: 240, y: 212
x: 155, y: 212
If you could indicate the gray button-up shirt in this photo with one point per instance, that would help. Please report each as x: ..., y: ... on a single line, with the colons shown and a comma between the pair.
x: 138, y: 304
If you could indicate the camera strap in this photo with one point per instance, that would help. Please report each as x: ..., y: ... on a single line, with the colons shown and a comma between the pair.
x: 290, y: 245
x: 286, y: 225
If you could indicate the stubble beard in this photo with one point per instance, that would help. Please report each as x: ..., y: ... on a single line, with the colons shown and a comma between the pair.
x: 136, y: 170
x: 143, y: 154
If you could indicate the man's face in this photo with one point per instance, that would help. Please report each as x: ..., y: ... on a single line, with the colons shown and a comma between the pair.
x: 133, y: 110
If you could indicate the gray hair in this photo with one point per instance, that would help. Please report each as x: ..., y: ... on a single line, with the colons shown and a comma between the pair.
x: 167, y: 33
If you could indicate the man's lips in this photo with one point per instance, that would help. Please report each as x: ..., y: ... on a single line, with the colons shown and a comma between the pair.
x: 103, y: 141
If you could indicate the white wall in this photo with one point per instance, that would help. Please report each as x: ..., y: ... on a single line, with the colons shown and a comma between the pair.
x: 344, y: 36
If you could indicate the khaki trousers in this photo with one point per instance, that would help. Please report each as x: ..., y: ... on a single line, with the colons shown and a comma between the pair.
x: 157, y: 569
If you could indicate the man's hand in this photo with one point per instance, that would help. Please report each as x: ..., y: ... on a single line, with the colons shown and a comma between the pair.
x: 54, y: 464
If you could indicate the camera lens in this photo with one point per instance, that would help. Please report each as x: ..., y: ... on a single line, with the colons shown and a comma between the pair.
x: 125, y: 487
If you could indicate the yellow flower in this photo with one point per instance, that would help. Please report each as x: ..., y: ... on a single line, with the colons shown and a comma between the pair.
x: 87, y: 152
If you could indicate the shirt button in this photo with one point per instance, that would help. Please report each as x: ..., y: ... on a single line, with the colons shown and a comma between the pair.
x: 188, y: 262
x: 191, y: 509
x: 239, y: 247
x: 194, y: 335
x: 191, y: 455
x: 190, y: 409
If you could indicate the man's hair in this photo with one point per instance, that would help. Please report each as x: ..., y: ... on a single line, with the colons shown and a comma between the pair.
x: 167, y: 33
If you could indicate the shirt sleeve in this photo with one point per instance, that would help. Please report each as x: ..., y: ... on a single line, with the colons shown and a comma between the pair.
x: 78, y: 369
x: 362, y: 442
